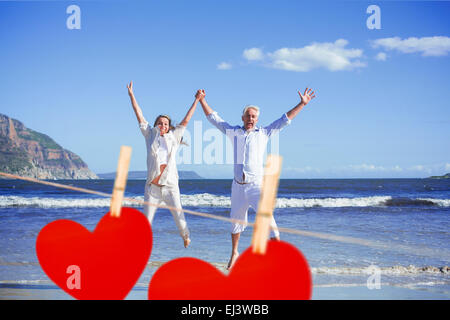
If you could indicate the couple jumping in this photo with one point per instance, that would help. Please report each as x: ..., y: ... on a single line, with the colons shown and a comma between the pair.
x: 249, y: 144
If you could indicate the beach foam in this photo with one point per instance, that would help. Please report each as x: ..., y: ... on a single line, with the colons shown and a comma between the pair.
x: 393, y: 270
x: 439, y: 202
x: 210, y: 200
x: 332, y: 202
x: 396, y: 270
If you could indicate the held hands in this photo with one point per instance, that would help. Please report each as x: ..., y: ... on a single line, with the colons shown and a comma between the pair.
x: 200, y: 95
x: 307, y: 96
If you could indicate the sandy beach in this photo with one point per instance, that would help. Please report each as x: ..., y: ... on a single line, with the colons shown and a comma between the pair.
x: 50, y: 292
x: 338, y: 287
x: 356, y: 208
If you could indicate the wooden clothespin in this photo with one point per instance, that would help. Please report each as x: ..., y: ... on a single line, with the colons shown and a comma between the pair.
x: 266, y: 203
x: 121, y: 181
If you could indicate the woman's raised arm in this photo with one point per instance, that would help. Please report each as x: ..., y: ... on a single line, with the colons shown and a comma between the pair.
x: 136, y: 108
x: 191, y: 110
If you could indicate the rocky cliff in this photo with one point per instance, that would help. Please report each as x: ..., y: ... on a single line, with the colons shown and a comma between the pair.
x: 29, y: 153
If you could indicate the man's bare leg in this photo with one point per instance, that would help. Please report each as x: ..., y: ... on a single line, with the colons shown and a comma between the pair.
x: 234, y: 249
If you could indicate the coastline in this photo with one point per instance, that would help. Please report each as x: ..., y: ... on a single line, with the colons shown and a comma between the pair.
x: 350, y: 292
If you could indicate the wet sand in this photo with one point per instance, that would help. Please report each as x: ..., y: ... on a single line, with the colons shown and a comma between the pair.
x: 50, y: 292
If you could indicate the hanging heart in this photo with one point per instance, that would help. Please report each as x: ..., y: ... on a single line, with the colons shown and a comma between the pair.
x: 282, y: 273
x: 103, y: 264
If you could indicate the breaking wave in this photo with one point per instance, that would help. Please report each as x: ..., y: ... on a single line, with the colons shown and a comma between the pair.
x: 393, y: 271
x: 211, y: 200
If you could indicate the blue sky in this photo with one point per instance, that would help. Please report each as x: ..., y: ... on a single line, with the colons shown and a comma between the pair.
x: 381, y: 109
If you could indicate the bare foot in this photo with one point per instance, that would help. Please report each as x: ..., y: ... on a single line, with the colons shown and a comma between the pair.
x: 233, y: 259
x: 187, y: 241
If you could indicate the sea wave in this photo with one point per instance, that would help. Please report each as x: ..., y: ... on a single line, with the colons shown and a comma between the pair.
x: 393, y: 270
x: 401, y: 202
x: 39, y: 202
x: 211, y: 200
x: 439, y: 202
x: 408, y: 285
x: 48, y: 284
x: 332, y: 202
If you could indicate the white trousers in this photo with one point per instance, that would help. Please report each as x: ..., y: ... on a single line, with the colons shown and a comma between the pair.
x: 244, y: 196
x: 169, y: 196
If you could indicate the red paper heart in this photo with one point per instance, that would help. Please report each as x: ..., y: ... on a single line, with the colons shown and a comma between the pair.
x: 104, y: 264
x: 280, y: 274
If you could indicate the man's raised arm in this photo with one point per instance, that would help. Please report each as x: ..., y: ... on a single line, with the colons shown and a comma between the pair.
x: 307, y: 96
x: 202, y: 97
x: 211, y: 115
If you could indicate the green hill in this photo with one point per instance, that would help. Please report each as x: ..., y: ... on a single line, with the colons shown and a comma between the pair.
x: 29, y: 153
x: 445, y: 176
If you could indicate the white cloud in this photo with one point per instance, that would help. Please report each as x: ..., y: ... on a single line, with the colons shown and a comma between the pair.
x: 431, y: 169
x: 423, y: 169
x: 417, y: 167
x: 329, y: 55
x: 381, y: 56
x: 306, y: 169
x: 368, y: 168
x: 253, y: 54
x: 428, y: 46
x: 224, y: 66
x: 447, y: 167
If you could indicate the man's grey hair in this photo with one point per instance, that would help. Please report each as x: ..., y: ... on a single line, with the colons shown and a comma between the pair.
x: 250, y: 106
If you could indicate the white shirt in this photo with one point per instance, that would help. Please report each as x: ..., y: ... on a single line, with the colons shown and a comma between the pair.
x: 248, y: 146
x: 172, y: 140
x: 163, y: 152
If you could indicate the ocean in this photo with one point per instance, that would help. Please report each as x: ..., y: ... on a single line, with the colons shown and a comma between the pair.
x: 410, y: 217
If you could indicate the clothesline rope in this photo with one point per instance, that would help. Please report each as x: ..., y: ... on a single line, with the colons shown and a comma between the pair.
x: 441, y: 254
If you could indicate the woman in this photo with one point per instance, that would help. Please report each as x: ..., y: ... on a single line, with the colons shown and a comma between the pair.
x: 162, y: 143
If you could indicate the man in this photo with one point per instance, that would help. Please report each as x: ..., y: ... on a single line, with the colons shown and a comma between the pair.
x: 249, y: 144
